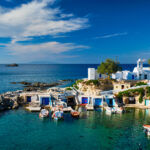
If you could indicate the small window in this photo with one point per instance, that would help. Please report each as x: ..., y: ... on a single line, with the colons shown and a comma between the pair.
x: 145, y: 76
x: 122, y: 86
x: 117, y: 87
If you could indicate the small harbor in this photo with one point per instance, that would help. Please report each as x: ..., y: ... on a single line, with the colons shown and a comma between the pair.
x: 105, y: 113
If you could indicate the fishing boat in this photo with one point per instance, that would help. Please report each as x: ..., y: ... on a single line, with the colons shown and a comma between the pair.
x: 110, y: 110
x: 75, y: 114
x: 147, y: 129
x: 119, y: 110
x: 57, y: 115
x: 44, y: 113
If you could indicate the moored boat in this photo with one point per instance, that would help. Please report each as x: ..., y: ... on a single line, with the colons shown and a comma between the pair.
x: 75, y: 114
x: 44, y: 113
x: 147, y: 129
x: 110, y: 110
x: 119, y: 110
x: 58, y: 115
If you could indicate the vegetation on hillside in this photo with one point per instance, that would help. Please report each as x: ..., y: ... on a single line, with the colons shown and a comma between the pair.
x: 133, y: 92
x: 140, y: 83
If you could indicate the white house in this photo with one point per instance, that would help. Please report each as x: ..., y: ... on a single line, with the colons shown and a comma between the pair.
x: 93, y: 75
x: 138, y: 73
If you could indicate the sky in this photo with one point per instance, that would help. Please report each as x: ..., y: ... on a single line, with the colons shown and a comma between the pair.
x: 74, y: 31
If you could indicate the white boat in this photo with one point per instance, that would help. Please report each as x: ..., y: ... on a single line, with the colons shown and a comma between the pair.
x: 147, y: 129
x: 119, y: 110
x: 110, y: 110
x: 44, y: 113
x: 89, y: 107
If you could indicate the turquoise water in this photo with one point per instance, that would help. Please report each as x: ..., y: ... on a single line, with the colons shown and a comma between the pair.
x: 22, y: 130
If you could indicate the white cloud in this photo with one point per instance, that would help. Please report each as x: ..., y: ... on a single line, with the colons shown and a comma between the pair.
x: 37, y: 18
x: 111, y: 35
x: 49, y: 50
x: 49, y: 47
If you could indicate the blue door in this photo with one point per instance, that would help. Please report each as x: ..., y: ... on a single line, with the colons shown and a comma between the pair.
x: 45, y: 100
x: 98, y: 102
x: 84, y: 100
x: 146, y: 102
x: 110, y: 102
x: 132, y: 77
x: 28, y: 99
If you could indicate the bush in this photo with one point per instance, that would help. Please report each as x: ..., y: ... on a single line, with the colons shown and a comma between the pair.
x: 95, y: 82
x: 140, y: 83
x: 132, y: 92
x: 79, y: 81
x: 68, y: 88
x: 148, y: 91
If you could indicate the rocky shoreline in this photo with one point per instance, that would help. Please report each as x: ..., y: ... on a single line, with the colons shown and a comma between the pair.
x: 35, y: 86
x: 12, y: 100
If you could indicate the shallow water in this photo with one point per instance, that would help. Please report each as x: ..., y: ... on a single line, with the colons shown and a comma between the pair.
x: 20, y: 129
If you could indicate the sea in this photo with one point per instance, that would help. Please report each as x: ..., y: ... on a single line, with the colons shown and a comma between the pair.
x: 22, y: 130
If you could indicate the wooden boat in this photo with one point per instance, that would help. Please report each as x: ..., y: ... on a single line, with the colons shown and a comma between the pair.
x: 75, y: 114
x: 146, y: 126
x: 147, y: 129
x: 44, y: 113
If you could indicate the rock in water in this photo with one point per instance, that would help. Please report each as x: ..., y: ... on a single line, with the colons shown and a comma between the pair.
x: 12, y: 65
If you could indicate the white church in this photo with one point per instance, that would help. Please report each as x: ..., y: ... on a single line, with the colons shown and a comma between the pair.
x: 139, y: 73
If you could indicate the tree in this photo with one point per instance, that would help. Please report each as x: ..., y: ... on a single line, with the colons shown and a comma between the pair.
x: 108, y: 67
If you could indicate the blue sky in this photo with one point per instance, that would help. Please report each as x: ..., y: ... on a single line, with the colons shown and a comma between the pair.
x: 74, y: 31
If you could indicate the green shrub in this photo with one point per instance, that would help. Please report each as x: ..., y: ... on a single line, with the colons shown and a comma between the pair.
x: 79, y: 81
x: 131, y: 92
x: 148, y: 91
x: 95, y: 82
x: 140, y: 83
x: 68, y: 88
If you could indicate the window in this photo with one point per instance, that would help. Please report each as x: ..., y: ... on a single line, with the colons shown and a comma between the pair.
x: 116, y: 87
x: 145, y: 76
x: 122, y: 86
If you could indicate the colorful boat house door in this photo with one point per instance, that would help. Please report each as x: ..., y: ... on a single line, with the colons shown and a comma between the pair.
x: 84, y: 100
x: 110, y: 101
x: 28, y: 99
x: 98, y: 102
x: 45, y: 100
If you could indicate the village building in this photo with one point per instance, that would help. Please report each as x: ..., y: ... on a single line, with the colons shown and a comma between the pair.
x: 121, y: 85
x: 138, y: 73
